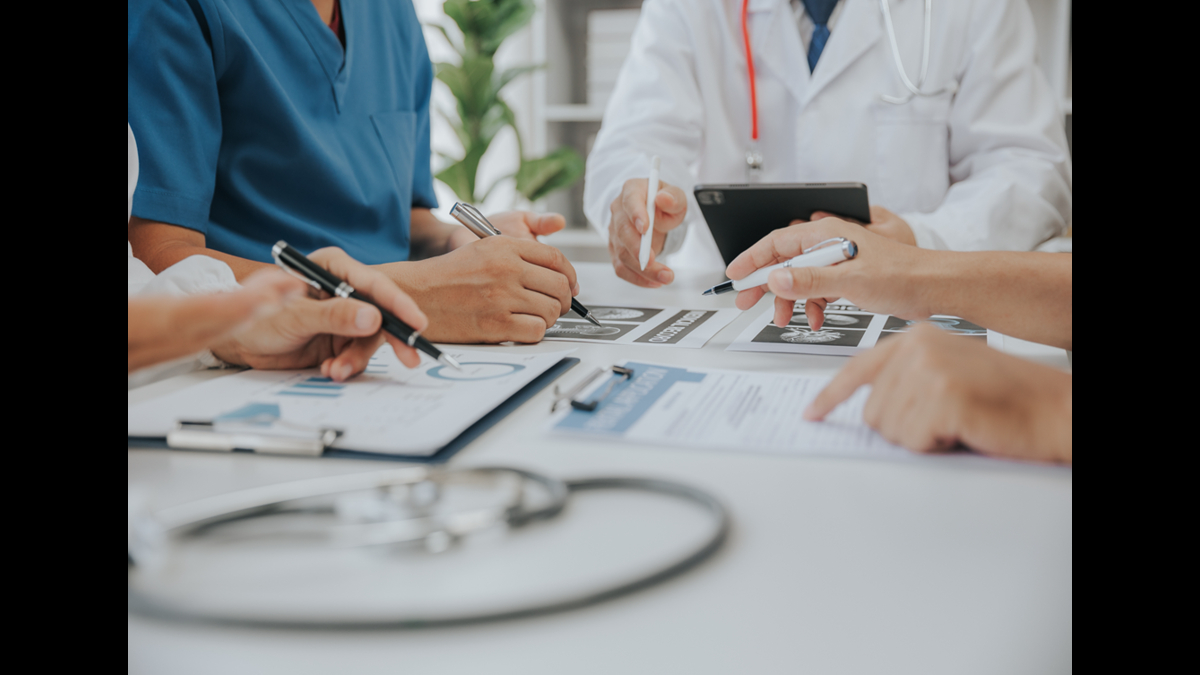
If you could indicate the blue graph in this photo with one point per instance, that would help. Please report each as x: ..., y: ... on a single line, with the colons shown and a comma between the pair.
x: 491, y: 370
x: 315, y: 386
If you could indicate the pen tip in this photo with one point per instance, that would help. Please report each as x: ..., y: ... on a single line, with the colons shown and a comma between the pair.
x: 449, y: 360
x: 708, y: 292
x: 592, y: 319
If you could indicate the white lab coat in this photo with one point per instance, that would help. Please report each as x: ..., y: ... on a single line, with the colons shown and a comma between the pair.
x: 986, y: 168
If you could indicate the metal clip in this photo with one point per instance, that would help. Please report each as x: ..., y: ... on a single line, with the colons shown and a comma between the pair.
x: 623, y: 374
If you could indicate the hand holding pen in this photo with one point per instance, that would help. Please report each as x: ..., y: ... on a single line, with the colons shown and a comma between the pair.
x: 393, y: 315
x: 475, y: 221
x: 884, y: 276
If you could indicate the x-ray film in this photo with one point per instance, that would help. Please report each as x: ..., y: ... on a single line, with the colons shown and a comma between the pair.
x: 662, y: 326
x: 847, y: 330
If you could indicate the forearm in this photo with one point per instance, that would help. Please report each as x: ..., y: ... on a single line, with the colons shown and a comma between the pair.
x: 160, y: 245
x: 1025, y: 295
x: 429, y: 236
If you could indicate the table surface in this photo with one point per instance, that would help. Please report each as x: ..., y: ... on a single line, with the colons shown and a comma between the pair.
x: 937, y: 565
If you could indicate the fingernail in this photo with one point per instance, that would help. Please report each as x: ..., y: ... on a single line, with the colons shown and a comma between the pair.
x: 639, y: 225
x: 575, y: 289
x: 810, y: 413
x: 363, y: 319
x: 665, y: 276
x: 343, y: 371
x: 780, y: 280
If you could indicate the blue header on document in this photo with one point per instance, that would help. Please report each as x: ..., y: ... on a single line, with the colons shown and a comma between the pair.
x: 630, y: 399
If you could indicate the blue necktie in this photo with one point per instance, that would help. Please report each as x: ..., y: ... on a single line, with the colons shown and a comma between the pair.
x: 819, y: 11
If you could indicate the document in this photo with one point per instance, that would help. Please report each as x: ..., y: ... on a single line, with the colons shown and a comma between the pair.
x: 727, y: 410
x: 662, y: 326
x: 847, y: 330
x: 387, y: 409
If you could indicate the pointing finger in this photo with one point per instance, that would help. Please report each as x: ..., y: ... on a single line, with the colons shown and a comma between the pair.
x: 861, y: 369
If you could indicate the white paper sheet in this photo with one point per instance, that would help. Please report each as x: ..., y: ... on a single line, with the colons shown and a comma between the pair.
x: 847, y: 330
x: 727, y: 410
x: 388, y: 409
x: 662, y: 326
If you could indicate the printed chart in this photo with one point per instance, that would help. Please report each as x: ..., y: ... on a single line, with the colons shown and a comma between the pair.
x: 387, y: 409
x: 703, y: 408
x: 662, y: 326
x: 847, y: 330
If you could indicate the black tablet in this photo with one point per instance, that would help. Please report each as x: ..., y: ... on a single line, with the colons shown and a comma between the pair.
x: 739, y: 215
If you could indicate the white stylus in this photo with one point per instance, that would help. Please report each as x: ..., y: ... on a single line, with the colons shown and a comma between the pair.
x: 651, y: 192
x: 821, y: 255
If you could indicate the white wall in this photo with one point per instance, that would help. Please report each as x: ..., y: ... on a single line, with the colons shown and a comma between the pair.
x: 501, y: 158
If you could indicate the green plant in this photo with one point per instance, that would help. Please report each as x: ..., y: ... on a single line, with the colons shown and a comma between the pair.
x: 475, y: 84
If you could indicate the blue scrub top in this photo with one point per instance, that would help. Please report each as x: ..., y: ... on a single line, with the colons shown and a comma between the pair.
x: 254, y: 124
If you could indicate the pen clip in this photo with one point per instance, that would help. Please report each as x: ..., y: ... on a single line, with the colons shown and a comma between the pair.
x: 275, y: 250
x: 825, y: 243
x: 474, y: 220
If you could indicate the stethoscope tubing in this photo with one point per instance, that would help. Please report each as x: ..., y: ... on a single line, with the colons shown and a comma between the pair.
x: 151, y: 607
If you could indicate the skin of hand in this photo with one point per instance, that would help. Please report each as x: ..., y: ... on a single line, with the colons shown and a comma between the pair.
x: 494, y: 290
x: 162, y: 328
x: 520, y: 224
x: 883, y: 222
x: 340, y: 334
x: 886, y: 276
x: 932, y: 390
x: 497, y: 289
x: 630, y: 220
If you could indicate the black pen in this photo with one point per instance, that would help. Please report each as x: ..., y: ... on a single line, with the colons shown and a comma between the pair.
x: 475, y: 222
x: 321, y: 279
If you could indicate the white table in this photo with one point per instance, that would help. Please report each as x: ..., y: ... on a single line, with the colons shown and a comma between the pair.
x: 834, y: 566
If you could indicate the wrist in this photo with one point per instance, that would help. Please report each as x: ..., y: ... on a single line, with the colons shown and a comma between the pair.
x: 948, y: 277
x: 223, y: 355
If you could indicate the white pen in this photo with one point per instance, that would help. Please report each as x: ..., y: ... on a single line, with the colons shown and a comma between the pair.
x: 821, y: 255
x: 651, y: 193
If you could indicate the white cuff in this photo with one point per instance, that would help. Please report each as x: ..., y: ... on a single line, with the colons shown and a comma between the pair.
x: 674, y: 240
x: 924, y: 234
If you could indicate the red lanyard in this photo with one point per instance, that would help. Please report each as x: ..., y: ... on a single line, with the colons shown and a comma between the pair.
x: 750, y: 69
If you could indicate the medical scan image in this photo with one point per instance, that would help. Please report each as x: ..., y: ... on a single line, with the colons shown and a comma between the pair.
x: 584, y: 330
x: 616, y: 314
x: 808, y: 337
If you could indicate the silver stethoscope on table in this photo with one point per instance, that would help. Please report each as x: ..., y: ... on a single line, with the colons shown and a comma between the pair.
x: 392, y: 512
x: 754, y: 158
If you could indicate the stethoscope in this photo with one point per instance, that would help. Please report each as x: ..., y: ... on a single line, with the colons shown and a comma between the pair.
x: 391, y: 511
x: 754, y: 157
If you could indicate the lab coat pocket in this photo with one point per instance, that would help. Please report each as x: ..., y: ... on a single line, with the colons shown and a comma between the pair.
x: 397, y: 132
x: 913, y: 155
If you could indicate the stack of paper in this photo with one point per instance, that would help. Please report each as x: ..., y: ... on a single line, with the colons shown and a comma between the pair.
x: 609, y: 32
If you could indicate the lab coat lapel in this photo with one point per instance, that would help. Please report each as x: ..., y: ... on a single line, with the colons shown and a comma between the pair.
x: 777, y: 46
x: 858, y: 28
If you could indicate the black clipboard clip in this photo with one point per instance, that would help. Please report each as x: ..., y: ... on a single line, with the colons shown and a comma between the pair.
x: 293, y: 439
x: 623, y: 374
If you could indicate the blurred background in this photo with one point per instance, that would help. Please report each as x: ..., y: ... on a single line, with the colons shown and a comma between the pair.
x: 556, y: 109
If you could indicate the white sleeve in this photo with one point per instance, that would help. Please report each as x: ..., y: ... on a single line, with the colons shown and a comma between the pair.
x: 1010, y: 168
x: 193, y: 275
x: 655, y: 109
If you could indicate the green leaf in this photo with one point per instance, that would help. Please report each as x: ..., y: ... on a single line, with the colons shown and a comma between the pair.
x: 446, y: 34
x: 455, y: 177
x: 539, y: 177
x: 510, y: 74
x: 510, y: 17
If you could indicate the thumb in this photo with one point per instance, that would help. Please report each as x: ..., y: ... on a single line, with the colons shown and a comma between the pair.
x: 544, y: 223
x: 336, y: 316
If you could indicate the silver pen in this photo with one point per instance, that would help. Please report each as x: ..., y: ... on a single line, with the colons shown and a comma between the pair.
x: 474, y: 221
